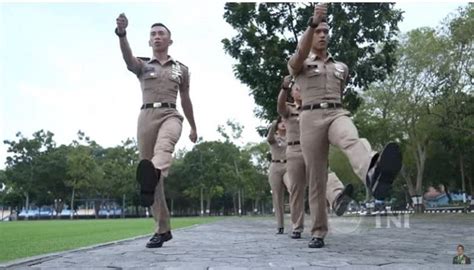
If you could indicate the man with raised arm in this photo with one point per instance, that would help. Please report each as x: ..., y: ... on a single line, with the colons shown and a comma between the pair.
x: 323, y: 121
x: 159, y: 126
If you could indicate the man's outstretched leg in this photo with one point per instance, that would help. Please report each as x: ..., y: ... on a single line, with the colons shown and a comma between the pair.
x: 377, y: 171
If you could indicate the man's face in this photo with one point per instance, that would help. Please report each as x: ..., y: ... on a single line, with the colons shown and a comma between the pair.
x: 460, y: 251
x: 321, y: 37
x: 160, y: 39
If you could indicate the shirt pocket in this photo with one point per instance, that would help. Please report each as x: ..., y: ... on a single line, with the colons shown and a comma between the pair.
x: 312, y: 70
x: 149, y: 73
x: 149, y: 79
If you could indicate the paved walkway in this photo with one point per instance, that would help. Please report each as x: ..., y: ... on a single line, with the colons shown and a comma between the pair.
x: 406, y: 242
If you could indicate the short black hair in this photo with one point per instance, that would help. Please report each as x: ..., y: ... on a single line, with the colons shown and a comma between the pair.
x: 461, y: 246
x: 162, y: 25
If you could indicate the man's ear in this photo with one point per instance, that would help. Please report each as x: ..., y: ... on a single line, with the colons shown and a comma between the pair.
x: 170, y: 42
x: 149, y: 43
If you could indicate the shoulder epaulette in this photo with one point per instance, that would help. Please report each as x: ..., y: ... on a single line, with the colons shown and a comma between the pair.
x: 181, y: 64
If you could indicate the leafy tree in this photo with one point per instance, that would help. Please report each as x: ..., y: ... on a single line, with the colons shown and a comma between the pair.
x: 52, y: 167
x: 256, y: 175
x: 22, y: 164
x: 82, y: 172
x: 363, y: 35
x: 427, y: 103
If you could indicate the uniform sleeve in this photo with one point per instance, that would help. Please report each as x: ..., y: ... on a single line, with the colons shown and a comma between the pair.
x: 136, y: 69
x: 185, y: 81
x: 346, y: 74
x: 292, y: 70
x: 346, y: 78
x: 271, y: 133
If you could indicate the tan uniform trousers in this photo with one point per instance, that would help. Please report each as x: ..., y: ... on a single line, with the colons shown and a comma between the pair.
x: 296, y: 170
x: 158, y: 132
x: 279, y: 182
x: 319, y: 128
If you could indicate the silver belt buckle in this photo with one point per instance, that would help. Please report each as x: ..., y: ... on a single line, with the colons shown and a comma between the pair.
x: 157, y: 104
x: 324, y: 105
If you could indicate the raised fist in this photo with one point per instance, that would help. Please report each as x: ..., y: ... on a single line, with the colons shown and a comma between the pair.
x: 122, y: 23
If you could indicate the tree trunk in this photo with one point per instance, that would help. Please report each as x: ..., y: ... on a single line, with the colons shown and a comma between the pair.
x: 202, y: 202
x: 463, y: 183
x: 469, y: 179
x: 27, y: 204
x: 59, y: 207
x: 240, y: 203
x: 208, y: 206
x: 72, y: 203
x: 234, y: 203
x: 461, y: 166
x: 411, y: 188
x: 420, y: 164
x: 255, y: 207
x: 243, y: 201
x: 97, y: 204
x: 123, y: 206
x: 420, y: 159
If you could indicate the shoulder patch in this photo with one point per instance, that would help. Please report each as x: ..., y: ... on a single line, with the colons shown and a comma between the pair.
x: 340, y: 65
x: 181, y: 64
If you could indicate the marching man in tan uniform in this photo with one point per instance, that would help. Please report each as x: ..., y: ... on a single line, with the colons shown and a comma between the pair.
x: 277, y: 176
x: 159, y: 123
x: 323, y: 121
x: 337, y: 196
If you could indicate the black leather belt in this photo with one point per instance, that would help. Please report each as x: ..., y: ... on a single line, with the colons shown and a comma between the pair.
x: 323, y: 105
x: 279, y: 160
x: 158, y: 105
x: 294, y: 143
x: 294, y: 114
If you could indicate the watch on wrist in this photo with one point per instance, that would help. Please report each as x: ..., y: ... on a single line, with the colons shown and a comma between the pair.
x: 120, y: 34
x: 287, y: 88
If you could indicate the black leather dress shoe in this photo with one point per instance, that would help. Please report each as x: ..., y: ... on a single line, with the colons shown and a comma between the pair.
x: 383, y: 170
x: 343, y: 200
x: 279, y: 231
x: 158, y: 239
x: 316, y: 243
x: 295, y: 235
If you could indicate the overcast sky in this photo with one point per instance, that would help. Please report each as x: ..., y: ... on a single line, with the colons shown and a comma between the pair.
x: 61, y: 67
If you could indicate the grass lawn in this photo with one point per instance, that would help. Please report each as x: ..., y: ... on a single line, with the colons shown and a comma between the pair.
x: 19, y: 239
